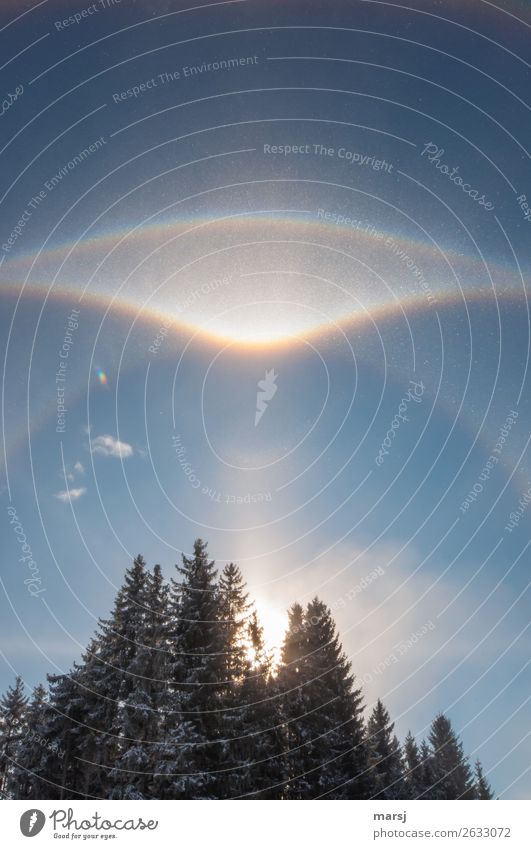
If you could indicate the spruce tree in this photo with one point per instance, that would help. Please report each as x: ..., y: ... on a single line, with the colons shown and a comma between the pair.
x: 138, y: 717
x: 453, y: 778
x: 260, y: 734
x: 99, y: 680
x: 325, y: 750
x: 233, y: 611
x: 29, y: 748
x: 135, y: 739
x: 430, y: 790
x: 294, y: 705
x: 482, y: 788
x: 165, y: 748
x: 413, y: 773
x: 385, y: 756
x: 60, y: 772
x: 198, y: 663
x: 170, y: 755
x: 12, y: 728
x: 106, y: 683
x: 337, y: 754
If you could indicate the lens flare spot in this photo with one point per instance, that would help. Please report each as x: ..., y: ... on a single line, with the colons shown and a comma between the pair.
x: 102, y: 377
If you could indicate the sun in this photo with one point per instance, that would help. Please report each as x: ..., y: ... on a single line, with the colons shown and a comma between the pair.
x: 274, y: 621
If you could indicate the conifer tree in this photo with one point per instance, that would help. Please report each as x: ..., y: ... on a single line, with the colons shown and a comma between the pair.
x: 428, y: 780
x: 238, y: 669
x: 482, y: 788
x: 134, y: 740
x: 60, y: 771
x: 233, y: 611
x: 413, y: 773
x: 173, y: 755
x: 12, y: 726
x: 260, y: 739
x: 337, y: 754
x: 325, y: 750
x: 167, y: 744
x: 139, y: 712
x: 99, y: 682
x: 177, y: 754
x: 385, y: 756
x: 198, y: 663
x: 107, y: 682
x: 453, y: 779
x: 30, y: 745
x: 294, y: 705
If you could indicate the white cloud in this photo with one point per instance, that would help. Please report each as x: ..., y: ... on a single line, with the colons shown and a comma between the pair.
x: 108, y: 446
x: 68, y: 473
x: 67, y: 495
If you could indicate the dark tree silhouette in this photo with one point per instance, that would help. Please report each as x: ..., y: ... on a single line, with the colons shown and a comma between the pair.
x: 385, y: 756
x: 452, y: 774
x: 12, y: 728
x: 482, y: 787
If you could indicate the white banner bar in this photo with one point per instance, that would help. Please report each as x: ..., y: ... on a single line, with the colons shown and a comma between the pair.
x: 281, y: 825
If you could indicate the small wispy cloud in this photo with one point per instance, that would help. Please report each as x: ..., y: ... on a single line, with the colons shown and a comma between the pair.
x: 67, y: 495
x: 69, y: 473
x: 108, y: 446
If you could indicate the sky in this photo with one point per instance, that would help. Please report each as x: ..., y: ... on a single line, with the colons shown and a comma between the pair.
x: 264, y: 275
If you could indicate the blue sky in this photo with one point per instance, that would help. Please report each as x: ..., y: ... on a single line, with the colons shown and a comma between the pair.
x: 202, y: 243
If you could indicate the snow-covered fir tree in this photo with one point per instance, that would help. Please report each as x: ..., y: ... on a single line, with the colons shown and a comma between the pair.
x: 12, y: 729
x: 385, y: 756
x: 413, y: 769
x: 108, y: 682
x: 337, y: 753
x: 61, y: 772
x: 30, y: 745
x: 198, y: 663
x: 428, y: 780
x: 234, y: 615
x: 260, y: 738
x: 295, y: 706
x: 139, y: 711
x: 452, y: 773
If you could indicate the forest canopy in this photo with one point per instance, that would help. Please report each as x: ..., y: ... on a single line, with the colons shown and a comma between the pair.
x: 177, y: 697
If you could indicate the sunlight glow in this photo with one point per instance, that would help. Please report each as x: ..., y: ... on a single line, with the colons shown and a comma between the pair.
x: 261, y: 323
x: 274, y: 621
